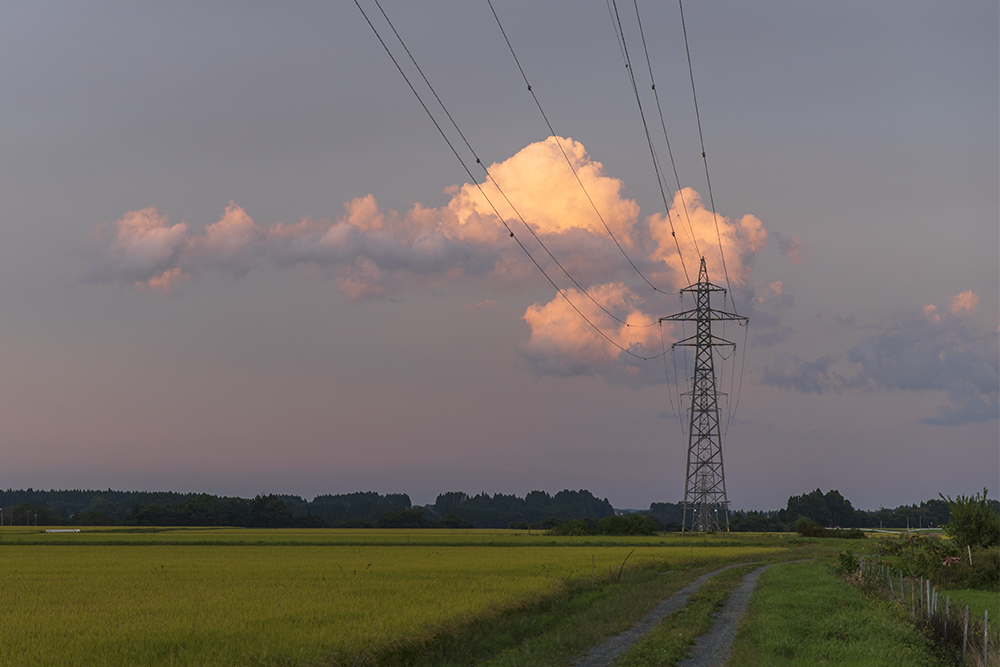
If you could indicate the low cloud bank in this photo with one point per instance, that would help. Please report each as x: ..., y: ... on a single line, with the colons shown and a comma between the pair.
x: 928, y: 350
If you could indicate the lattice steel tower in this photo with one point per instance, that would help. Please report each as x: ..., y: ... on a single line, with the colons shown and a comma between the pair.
x: 705, y: 484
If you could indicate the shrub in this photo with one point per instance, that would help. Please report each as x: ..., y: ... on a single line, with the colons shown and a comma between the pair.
x: 920, y: 555
x: 847, y: 563
x: 809, y: 528
x: 972, y: 521
x: 983, y: 574
x: 629, y: 524
x: 852, y: 534
x: 573, y: 527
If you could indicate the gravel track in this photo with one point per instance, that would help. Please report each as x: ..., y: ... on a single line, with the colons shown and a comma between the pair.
x: 603, y: 655
x: 712, y: 648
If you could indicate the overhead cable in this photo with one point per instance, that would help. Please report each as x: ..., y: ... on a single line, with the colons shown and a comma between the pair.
x: 620, y: 34
x: 663, y: 126
x: 465, y: 167
x: 553, y: 134
x: 704, y: 157
x: 497, y: 185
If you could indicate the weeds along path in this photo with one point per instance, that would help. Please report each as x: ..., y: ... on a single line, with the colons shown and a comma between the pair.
x: 603, y: 655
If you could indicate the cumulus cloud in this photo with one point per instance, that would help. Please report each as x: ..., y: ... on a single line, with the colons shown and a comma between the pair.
x: 165, y: 282
x: 964, y: 303
x: 535, y: 195
x: 919, y: 351
x: 699, y: 232
x: 563, y: 343
x: 145, y: 246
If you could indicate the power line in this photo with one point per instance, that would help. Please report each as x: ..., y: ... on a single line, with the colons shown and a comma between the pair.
x: 663, y: 126
x: 444, y: 136
x: 620, y: 34
x: 704, y: 157
x: 494, y: 181
x: 552, y: 132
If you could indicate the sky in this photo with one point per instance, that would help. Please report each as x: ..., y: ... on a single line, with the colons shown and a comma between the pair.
x: 237, y: 256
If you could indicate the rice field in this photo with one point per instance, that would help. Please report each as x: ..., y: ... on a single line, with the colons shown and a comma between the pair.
x: 287, y: 597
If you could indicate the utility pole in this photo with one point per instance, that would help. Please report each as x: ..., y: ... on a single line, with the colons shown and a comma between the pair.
x: 705, y: 483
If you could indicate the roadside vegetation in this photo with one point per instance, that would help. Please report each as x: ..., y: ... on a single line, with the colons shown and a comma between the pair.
x: 805, y: 614
x: 937, y: 578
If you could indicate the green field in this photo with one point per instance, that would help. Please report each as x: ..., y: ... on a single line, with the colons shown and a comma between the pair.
x: 804, y: 614
x: 422, y: 598
x: 305, y: 597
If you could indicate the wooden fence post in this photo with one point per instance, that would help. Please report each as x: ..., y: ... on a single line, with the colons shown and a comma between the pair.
x: 986, y: 641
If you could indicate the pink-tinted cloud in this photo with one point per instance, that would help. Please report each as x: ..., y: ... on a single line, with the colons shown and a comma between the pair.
x: 373, y: 253
x: 543, y: 189
x: 964, y: 303
x: 563, y: 343
x: 165, y: 282
x: 232, y: 242
x: 699, y: 232
x: 773, y: 295
x: 145, y: 245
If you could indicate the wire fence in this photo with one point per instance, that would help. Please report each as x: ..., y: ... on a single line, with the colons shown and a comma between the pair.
x: 966, y: 636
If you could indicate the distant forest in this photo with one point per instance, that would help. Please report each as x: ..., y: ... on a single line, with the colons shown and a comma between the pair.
x: 537, y: 510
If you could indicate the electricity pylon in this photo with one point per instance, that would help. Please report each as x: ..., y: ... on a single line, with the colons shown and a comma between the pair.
x: 705, y: 484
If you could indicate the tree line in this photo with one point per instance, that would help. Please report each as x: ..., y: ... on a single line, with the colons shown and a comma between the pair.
x: 358, y: 510
x: 456, y: 509
x: 828, y: 509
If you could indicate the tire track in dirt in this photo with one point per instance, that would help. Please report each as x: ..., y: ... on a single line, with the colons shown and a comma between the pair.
x: 604, y: 654
x: 712, y: 648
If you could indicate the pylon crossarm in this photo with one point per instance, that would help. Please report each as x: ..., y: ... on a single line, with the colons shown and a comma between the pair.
x: 686, y: 316
x: 715, y: 342
x: 713, y: 314
x: 718, y: 315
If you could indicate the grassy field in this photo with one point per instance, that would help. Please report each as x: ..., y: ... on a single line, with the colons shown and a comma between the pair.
x: 423, y: 598
x: 805, y: 614
x: 321, y: 597
x: 978, y: 602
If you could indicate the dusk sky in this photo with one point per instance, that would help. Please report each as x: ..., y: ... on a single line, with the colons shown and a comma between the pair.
x: 239, y: 258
